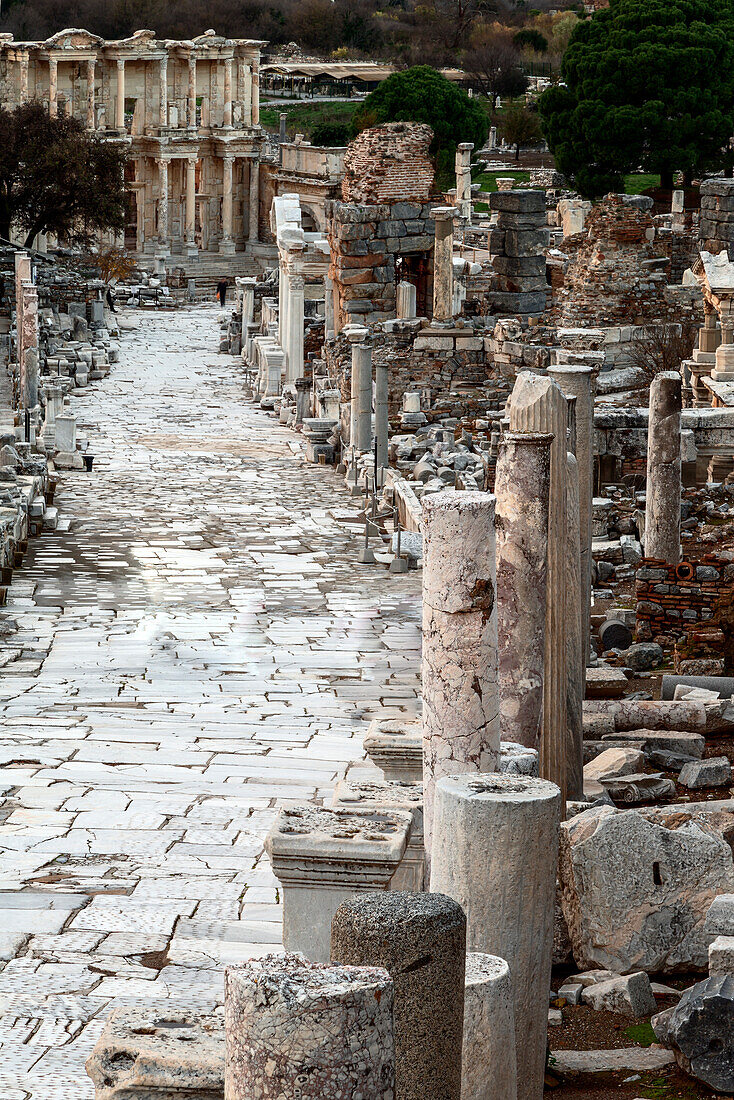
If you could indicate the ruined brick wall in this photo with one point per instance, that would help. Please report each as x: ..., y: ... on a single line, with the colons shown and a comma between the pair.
x: 691, y: 604
x: 387, y: 163
x: 615, y: 276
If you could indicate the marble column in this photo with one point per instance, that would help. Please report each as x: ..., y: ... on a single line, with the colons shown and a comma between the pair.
x: 162, y: 204
x: 575, y: 625
x: 163, y: 92
x: 495, y: 851
x: 522, y: 488
x: 226, y: 243
x: 255, y: 92
x: 362, y: 356
x: 488, y: 1058
x: 463, y: 179
x: 28, y: 346
x: 295, y: 1028
x: 254, y: 211
x: 245, y: 91
x: 294, y: 332
x: 190, y: 230
x: 580, y: 382
x: 356, y: 334
x: 120, y: 102
x: 461, y: 731
x: 382, y: 422
x: 662, y: 508
x: 191, y: 95
x: 91, y: 121
x: 328, y: 308
x: 443, y: 263
x: 23, y: 79
x: 537, y: 405
x: 53, y: 86
x: 227, y: 117
x: 420, y: 939
x: 406, y: 298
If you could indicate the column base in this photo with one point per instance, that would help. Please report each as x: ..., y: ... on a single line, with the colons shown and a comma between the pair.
x: 227, y: 246
x: 191, y: 251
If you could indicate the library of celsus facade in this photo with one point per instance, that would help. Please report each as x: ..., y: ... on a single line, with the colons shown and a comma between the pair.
x: 189, y: 113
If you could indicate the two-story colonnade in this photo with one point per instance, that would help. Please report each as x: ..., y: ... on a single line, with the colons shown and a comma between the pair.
x: 189, y: 113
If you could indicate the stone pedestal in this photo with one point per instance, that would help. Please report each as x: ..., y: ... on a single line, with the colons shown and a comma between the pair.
x: 386, y: 795
x: 459, y: 664
x: 144, y: 1053
x: 356, y: 334
x: 495, y: 851
x: 463, y: 179
x: 303, y: 395
x: 406, y: 301
x: 397, y: 749
x: 420, y: 939
x: 307, y: 1032
x: 522, y: 488
x: 579, y: 381
x: 488, y: 1059
x: 537, y: 405
x: 322, y: 857
x: 662, y: 508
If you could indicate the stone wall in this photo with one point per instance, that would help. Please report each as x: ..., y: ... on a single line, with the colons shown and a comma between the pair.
x: 365, y: 242
x: 691, y: 604
x: 388, y: 163
x: 716, y: 223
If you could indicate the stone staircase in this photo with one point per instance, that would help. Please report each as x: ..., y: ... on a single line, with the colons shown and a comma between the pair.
x: 207, y: 269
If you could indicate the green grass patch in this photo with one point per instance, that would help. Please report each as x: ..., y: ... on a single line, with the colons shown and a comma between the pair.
x: 641, y: 1033
x: 636, y: 184
x: 303, y: 118
x: 488, y: 180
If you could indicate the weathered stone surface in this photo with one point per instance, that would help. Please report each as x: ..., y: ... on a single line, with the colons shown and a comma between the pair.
x: 635, y: 893
x: 295, y: 1028
x: 662, y: 495
x: 700, y: 1029
x: 610, y: 764
x: 630, y: 995
x: 715, y: 771
x: 488, y: 1068
x: 420, y: 940
x: 643, y: 656
x: 146, y: 1053
x: 639, y: 787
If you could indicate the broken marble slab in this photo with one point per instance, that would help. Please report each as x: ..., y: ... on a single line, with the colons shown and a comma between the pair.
x: 147, y: 1053
x: 369, y: 795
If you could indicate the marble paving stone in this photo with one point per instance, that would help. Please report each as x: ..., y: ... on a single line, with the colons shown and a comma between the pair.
x: 194, y: 642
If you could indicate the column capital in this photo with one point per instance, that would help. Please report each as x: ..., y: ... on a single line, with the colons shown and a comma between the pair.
x: 192, y: 160
x: 228, y: 158
x: 120, y: 62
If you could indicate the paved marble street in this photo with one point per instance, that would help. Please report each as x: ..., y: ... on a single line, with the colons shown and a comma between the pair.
x: 194, y: 643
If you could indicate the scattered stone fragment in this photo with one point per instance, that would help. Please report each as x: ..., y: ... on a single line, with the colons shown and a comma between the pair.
x: 630, y: 995
x: 715, y: 771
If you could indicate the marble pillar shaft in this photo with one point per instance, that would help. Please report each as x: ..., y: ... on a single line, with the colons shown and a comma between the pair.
x: 382, y: 422
x: 297, y: 1029
x: 580, y: 382
x: 443, y: 263
x: 488, y: 1058
x: 575, y: 625
x: 461, y: 731
x: 120, y: 101
x: 495, y: 851
x: 537, y: 405
x: 190, y: 199
x: 362, y: 357
x: 91, y: 121
x: 522, y: 488
x: 163, y: 93
x: 295, y: 322
x: 52, y: 87
x: 254, y: 200
x: 191, y: 94
x: 662, y: 509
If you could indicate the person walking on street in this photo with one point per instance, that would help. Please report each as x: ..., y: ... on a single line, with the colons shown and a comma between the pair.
x: 222, y: 292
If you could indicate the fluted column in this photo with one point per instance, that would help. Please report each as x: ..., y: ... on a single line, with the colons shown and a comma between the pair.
x: 120, y: 103
x: 580, y: 382
x: 294, y: 333
x: 662, y: 509
x: 53, y: 86
x: 192, y: 93
x: 227, y: 120
x: 537, y: 405
x: 91, y: 122
x: 522, y: 488
x: 575, y: 624
x: 163, y: 92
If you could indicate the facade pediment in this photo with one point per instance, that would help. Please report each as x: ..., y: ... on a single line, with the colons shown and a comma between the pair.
x: 73, y: 39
